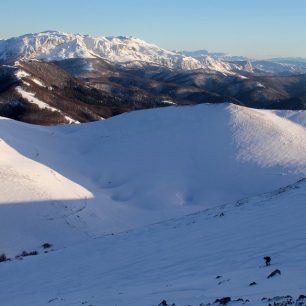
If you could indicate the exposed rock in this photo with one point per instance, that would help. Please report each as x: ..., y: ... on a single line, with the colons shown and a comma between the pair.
x: 223, y: 301
x: 274, y: 273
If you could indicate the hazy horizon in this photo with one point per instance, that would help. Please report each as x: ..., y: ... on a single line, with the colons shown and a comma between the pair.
x: 241, y: 27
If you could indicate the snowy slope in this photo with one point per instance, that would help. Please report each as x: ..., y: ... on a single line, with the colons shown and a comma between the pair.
x: 298, y: 117
x: 187, y: 261
x: 33, y: 195
x: 140, y: 168
x: 24, y: 180
x: 52, y: 45
x: 95, y: 190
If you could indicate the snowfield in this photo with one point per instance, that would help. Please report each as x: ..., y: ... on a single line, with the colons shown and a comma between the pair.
x: 154, y: 205
x: 191, y: 260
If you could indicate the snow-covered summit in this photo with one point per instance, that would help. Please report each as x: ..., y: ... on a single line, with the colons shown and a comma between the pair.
x: 53, y: 45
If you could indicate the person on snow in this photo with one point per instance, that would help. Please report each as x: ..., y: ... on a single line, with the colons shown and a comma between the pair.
x: 267, y: 260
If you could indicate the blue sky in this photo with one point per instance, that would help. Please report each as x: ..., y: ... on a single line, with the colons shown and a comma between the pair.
x: 254, y: 28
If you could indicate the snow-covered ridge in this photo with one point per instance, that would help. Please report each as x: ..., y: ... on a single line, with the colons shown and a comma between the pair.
x: 53, y: 45
x: 171, y: 166
x: 68, y: 184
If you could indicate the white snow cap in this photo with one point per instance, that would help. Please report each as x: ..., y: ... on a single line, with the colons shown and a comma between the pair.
x: 53, y: 45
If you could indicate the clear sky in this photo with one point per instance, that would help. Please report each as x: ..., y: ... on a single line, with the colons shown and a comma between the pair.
x: 256, y: 28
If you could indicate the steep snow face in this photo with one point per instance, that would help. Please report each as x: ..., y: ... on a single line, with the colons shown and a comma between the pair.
x: 57, y: 46
x: 46, y: 45
x: 32, y: 181
x: 32, y: 196
x: 145, y: 167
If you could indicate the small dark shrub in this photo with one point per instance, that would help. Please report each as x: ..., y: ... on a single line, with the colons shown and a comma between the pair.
x: 223, y: 301
x: 47, y: 245
x: 25, y: 254
x: 3, y: 258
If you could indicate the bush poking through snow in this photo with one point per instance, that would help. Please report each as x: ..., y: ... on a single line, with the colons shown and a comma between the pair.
x: 223, y: 301
x: 3, y: 258
x: 164, y: 303
x: 47, y: 245
x: 25, y: 254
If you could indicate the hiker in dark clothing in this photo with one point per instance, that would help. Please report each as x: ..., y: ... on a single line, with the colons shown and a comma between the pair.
x: 267, y: 260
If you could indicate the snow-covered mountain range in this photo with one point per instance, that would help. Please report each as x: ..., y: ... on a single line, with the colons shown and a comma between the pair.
x: 131, y: 51
x: 54, y: 46
x: 53, y: 77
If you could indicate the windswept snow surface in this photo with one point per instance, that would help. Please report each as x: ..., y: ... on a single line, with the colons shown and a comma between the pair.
x: 298, y: 117
x: 190, y: 260
x: 70, y: 184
